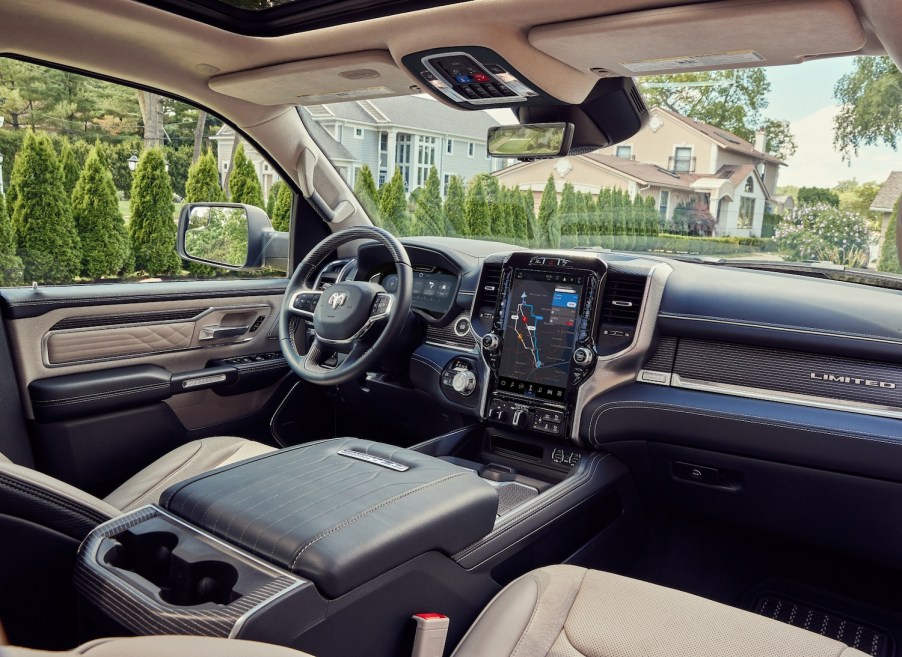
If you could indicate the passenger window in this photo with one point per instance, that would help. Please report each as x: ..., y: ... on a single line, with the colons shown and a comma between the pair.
x: 93, y: 176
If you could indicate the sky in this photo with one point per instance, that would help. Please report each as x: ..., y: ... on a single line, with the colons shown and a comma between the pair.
x: 803, y: 95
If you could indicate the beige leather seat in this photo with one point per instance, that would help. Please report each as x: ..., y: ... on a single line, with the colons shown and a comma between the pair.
x: 145, y: 487
x: 559, y: 611
x: 565, y: 611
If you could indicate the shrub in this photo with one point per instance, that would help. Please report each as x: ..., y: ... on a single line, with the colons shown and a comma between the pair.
x: 769, y: 226
x: 427, y: 212
x: 824, y: 232
x: 478, y: 214
x: 71, y: 169
x: 889, y: 254
x: 202, y: 185
x: 244, y: 186
x: 42, y: 214
x: 365, y: 190
x: 152, y: 226
x: 95, y: 209
x: 10, y: 263
x: 281, y: 211
x: 455, y: 209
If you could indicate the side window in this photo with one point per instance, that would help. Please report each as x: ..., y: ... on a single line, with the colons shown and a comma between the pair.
x: 93, y: 175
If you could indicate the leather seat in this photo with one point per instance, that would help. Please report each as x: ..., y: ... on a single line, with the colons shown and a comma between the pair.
x: 565, y: 611
x: 163, y: 646
x: 33, y: 496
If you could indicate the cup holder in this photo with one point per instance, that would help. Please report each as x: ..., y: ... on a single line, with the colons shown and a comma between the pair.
x: 178, y: 580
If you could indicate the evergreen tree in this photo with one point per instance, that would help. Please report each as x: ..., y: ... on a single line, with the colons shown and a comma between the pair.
x: 519, y: 219
x: 569, y: 216
x: 549, y: 222
x: 202, y: 185
x: 71, y: 170
x: 455, y: 209
x: 272, y: 196
x: 281, y: 211
x: 10, y: 263
x: 889, y: 255
x: 152, y: 227
x: 478, y: 213
x: 365, y: 190
x: 101, y: 229
x: 244, y: 186
x: 533, y: 232
x: 393, y: 206
x: 618, y: 225
x: 652, y: 218
x: 427, y: 212
x: 603, y: 203
x: 51, y: 252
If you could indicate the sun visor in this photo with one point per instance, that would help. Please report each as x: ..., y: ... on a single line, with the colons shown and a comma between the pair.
x: 354, y: 76
x: 705, y: 36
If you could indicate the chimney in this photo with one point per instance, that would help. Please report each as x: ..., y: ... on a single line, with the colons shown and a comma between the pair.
x: 761, y: 141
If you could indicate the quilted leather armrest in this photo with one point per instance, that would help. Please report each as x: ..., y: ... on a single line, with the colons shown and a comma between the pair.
x: 325, y: 512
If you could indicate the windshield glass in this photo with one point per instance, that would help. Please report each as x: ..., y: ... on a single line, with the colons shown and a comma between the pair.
x: 783, y: 164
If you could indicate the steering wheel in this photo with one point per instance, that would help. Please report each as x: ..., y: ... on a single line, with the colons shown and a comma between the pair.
x: 343, y: 313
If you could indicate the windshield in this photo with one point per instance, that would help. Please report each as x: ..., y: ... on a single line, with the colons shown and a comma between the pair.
x: 782, y: 164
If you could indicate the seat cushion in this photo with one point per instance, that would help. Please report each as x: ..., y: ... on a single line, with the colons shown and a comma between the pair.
x: 565, y: 611
x: 185, y: 462
x: 163, y: 646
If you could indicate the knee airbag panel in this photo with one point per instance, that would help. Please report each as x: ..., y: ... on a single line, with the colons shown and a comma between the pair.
x: 335, y: 519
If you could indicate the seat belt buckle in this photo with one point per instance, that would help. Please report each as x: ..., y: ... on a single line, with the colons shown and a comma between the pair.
x: 432, y: 631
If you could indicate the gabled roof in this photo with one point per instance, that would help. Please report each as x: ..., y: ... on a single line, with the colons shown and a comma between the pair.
x: 889, y: 193
x: 415, y: 112
x: 649, y: 174
x: 724, y: 139
x: 737, y: 174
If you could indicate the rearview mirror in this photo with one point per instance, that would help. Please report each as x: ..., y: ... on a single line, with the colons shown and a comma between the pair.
x: 230, y: 236
x: 530, y: 141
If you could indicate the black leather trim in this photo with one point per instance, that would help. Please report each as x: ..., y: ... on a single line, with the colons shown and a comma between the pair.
x: 335, y: 520
x: 788, y: 433
x: 21, y: 303
x: 78, y: 395
x: 22, y: 499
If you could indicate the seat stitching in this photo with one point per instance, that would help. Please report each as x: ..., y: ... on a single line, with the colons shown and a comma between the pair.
x: 532, y: 616
x: 50, y: 498
x: 182, y: 466
x: 353, y: 519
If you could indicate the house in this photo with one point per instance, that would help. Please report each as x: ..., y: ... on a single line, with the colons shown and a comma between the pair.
x: 678, y: 161
x: 224, y: 140
x: 411, y: 133
x: 885, y: 201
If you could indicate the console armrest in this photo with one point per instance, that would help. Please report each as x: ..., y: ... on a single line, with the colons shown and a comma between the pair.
x: 339, y: 512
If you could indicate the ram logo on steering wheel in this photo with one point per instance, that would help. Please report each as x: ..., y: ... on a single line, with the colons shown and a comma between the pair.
x: 337, y: 299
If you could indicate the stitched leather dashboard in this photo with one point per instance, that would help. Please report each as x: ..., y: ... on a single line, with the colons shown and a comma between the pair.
x: 334, y: 519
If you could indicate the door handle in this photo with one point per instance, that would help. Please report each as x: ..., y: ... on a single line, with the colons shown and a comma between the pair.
x: 216, y: 332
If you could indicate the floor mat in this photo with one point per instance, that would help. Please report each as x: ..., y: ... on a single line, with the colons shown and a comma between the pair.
x: 872, y: 631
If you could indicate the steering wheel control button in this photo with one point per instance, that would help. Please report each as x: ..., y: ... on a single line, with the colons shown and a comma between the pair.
x: 461, y: 327
x: 381, y: 305
x: 305, y: 302
x: 583, y: 356
x: 490, y: 342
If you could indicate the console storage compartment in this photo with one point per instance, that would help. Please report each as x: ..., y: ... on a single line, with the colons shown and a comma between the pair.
x: 339, y: 512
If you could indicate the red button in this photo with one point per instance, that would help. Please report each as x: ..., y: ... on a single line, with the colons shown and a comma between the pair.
x: 430, y: 616
x: 481, y: 77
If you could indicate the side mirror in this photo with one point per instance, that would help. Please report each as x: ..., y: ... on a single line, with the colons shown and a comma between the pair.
x: 232, y: 236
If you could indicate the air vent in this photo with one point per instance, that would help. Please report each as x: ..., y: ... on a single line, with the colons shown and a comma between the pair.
x: 490, y: 285
x: 487, y: 296
x: 331, y: 274
x: 636, y: 97
x: 622, y: 300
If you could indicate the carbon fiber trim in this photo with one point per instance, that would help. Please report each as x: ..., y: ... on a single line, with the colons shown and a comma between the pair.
x: 155, y: 317
x: 143, y: 615
x: 747, y: 367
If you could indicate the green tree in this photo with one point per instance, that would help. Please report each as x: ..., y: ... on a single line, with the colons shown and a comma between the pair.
x: 202, y: 185
x: 870, y: 101
x: 568, y: 211
x: 365, y: 191
x: 272, y: 196
x: 244, y: 186
x: 281, y: 211
x: 152, y: 227
x: 427, y: 212
x: 393, y: 206
x: 533, y: 231
x: 101, y: 229
x: 479, y: 217
x: 179, y: 161
x: 732, y: 100
x: 652, y: 217
x: 10, y: 263
x: 548, y: 220
x: 604, y: 203
x: 51, y: 252
x: 455, y: 209
x: 889, y: 253
x: 70, y: 167
x: 817, y: 195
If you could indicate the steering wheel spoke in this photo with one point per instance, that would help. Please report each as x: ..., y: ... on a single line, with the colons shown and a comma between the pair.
x: 316, y: 357
x: 304, y: 302
x: 382, y: 306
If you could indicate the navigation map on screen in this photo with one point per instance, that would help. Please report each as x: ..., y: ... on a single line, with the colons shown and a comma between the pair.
x: 539, y: 333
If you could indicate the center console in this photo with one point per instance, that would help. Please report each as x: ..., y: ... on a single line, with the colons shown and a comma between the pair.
x: 541, y: 347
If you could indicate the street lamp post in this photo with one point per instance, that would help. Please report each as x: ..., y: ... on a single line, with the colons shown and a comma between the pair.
x: 133, y: 162
x: 2, y: 191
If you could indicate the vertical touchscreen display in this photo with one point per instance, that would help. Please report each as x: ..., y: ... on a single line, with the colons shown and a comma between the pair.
x: 541, y: 320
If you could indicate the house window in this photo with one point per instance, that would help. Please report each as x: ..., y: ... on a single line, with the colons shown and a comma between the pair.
x: 381, y: 178
x: 471, y: 149
x: 383, y: 158
x: 749, y: 185
x: 746, y: 212
x: 683, y: 162
x: 449, y: 146
x: 358, y: 133
x: 662, y: 205
x: 426, y: 147
x: 625, y: 152
x: 446, y: 182
x: 402, y: 158
x: 225, y: 166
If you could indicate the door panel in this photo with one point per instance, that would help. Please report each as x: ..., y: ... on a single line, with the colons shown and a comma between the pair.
x: 205, y: 341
